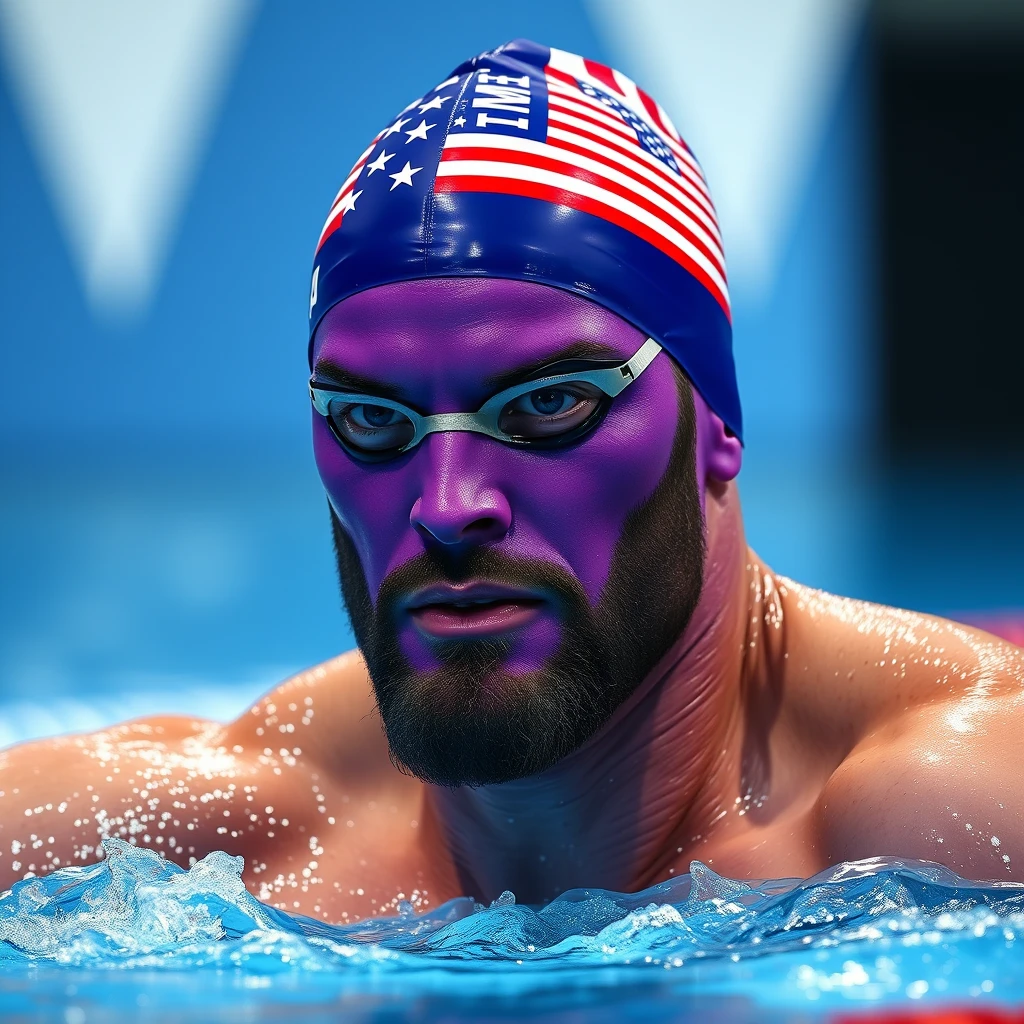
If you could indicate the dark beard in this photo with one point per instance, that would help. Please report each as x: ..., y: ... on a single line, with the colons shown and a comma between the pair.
x: 471, y: 722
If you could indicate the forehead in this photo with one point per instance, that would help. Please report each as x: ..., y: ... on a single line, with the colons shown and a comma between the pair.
x: 477, y: 327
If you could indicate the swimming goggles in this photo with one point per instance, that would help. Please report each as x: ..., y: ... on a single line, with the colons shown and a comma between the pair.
x: 545, y: 413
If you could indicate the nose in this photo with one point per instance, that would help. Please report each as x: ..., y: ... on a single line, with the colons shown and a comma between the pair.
x: 456, y: 505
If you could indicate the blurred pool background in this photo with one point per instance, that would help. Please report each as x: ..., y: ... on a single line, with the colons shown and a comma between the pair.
x: 164, y: 174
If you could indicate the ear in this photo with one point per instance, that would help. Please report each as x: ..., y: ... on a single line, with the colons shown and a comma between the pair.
x: 719, y: 452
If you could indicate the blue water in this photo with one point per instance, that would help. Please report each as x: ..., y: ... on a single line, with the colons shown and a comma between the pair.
x: 134, y: 936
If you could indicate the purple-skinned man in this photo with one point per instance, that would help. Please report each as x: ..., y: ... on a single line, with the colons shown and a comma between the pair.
x: 572, y: 671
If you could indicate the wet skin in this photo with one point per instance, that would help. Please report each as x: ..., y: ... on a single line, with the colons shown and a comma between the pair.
x: 785, y: 730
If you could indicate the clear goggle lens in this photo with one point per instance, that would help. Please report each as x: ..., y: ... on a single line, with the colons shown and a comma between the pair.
x: 374, y: 429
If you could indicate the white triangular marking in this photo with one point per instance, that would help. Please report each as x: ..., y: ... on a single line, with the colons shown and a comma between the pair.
x: 118, y: 96
x: 747, y: 83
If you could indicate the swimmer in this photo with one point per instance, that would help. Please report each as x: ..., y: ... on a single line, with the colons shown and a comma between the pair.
x: 572, y: 670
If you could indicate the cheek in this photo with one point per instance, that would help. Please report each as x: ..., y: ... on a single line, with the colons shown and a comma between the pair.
x: 577, y: 503
x: 372, y: 503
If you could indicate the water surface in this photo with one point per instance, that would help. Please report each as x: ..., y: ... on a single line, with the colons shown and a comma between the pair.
x: 134, y: 936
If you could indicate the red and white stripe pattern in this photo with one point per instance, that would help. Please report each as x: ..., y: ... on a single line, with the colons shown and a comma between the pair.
x: 592, y: 160
x: 342, y: 200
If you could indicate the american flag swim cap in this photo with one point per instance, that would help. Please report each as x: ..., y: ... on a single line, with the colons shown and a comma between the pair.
x: 536, y: 164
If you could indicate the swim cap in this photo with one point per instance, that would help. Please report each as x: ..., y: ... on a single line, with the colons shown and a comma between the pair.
x: 536, y: 164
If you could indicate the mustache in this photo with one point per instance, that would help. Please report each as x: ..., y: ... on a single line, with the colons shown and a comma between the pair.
x: 436, y: 567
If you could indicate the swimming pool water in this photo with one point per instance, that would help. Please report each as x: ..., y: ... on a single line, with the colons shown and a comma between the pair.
x: 134, y: 937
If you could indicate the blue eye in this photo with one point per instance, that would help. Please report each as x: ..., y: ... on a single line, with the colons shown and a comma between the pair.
x: 371, y: 428
x: 374, y: 416
x: 549, y: 412
x: 551, y: 402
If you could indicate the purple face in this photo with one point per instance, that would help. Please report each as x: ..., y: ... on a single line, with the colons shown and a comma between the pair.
x: 474, y: 569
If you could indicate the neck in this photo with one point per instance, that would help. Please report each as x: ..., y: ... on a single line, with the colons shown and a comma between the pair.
x: 650, y: 785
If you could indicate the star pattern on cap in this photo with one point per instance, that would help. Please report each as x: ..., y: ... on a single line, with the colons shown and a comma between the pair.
x: 396, y: 127
x: 460, y: 121
x: 419, y: 132
x: 348, y: 201
x: 378, y: 164
x: 649, y: 139
x: 434, y: 104
x: 404, y: 176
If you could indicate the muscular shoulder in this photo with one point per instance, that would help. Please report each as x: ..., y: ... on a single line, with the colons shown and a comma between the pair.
x: 933, y: 742
x: 184, y: 786
x: 864, y: 666
x: 916, y: 721
x: 151, y: 781
x: 326, y: 716
x: 937, y: 783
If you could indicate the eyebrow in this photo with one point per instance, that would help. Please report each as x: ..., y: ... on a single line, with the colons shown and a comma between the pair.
x: 550, y: 365
x: 547, y: 366
x: 332, y: 373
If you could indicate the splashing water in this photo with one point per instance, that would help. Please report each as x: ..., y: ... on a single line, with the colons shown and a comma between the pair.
x: 862, y: 934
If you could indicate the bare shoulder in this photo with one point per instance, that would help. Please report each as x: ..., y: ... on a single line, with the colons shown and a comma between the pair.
x: 182, y: 786
x: 939, y: 781
x: 917, y: 719
x: 61, y: 797
x: 857, y: 666
x: 325, y: 716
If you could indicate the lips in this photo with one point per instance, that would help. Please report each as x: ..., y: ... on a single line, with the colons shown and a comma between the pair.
x: 472, y: 610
